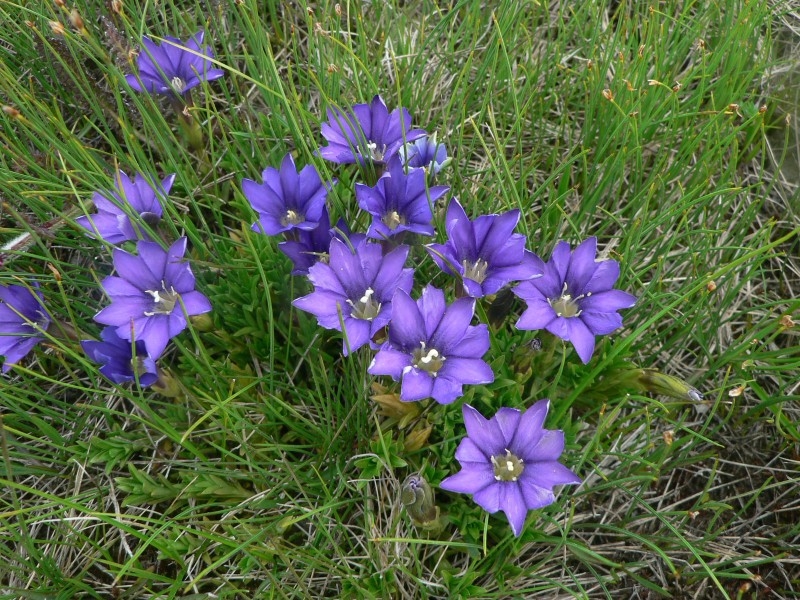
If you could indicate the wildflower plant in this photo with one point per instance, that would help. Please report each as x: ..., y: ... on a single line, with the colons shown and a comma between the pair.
x: 202, y: 457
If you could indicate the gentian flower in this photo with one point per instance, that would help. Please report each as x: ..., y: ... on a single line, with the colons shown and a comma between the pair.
x: 510, y: 462
x: 424, y: 153
x: 306, y: 248
x: 116, y: 356
x: 113, y: 221
x: 399, y: 202
x: 367, y: 134
x: 152, y: 295
x: 174, y: 67
x: 484, y: 252
x: 432, y: 348
x: 574, y: 299
x: 355, y: 288
x: 287, y: 199
x: 23, y: 321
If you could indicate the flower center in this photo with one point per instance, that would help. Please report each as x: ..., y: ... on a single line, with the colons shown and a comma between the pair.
x: 366, y: 308
x: 292, y: 217
x: 475, y: 271
x: 427, y: 359
x: 508, y: 467
x: 164, y: 301
x: 178, y: 85
x: 375, y: 153
x: 392, y: 219
x: 565, y: 305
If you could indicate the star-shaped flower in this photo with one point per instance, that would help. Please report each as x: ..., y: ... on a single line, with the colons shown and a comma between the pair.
x: 510, y: 462
x: 574, y: 299
x: 121, y: 214
x: 356, y: 288
x: 174, y: 67
x: 368, y: 133
x: 484, y: 252
x: 23, y: 321
x: 152, y: 295
x: 399, y: 202
x: 287, y: 199
x: 432, y: 348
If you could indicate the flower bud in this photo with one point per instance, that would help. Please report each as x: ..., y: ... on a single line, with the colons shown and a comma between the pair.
x: 417, y: 496
x: 418, y: 436
x: 167, y: 385
x: 202, y: 322
x: 652, y: 380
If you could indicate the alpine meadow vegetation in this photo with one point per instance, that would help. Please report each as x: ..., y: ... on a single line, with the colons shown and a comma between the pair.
x: 399, y: 299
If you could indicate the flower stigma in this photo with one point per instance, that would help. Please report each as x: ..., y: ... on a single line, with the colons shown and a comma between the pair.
x: 178, y: 85
x: 565, y: 305
x: 393, y: 219
x: 366, y: 308
x: 164, y: 301
x: 292, y: 217
x: 427, y: 359
x: 475, y: 271
x: 508, y: 467
x: 375, y: 153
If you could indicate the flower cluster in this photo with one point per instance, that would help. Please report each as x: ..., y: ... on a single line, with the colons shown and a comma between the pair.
x: 362, y: 288
x: 359, y: 281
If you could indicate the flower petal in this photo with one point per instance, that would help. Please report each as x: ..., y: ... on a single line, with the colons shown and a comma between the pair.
x: 485, y: 433
x: 470, y: 479
x: 513, y: 505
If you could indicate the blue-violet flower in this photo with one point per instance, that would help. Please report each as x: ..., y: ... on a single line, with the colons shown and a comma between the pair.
x: 510, y: 462
x: 424, y: 153
x: 432, y: 348
x: 485, y: 252
x: 574, y: 299
x: 174, y: 67
x: 287, y: 199
x: 152, y: 295
x: 356, y: 288
x: 121, y: 213
x: 23, y: 321
x: 368, y: 133
x: 399, y: 202
x: 116, y: 356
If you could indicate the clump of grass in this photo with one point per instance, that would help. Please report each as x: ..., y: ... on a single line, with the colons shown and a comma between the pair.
x: 271, y: 473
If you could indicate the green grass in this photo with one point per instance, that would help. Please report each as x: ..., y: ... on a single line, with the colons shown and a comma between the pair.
x: 665, y: 129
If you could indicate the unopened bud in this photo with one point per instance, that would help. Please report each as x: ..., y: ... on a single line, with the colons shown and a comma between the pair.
x: 653, y: 380
x: 608, y: 94
x: 417, y: 496
x: 338, y: 9
x: 787, y: 321
x: 60, y: 3
x: 116, y: 6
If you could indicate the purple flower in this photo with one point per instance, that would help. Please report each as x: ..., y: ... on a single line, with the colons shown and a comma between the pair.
x: 573, y: 299
x: 113, y: 221
x: 510, y: 462
x: 484, y: 252
x: 287, y: 199
x: 152, y: 295
x: 174, y: 67
x: 356, y: 289
x: 367, y: 134
x: 23, y: 321
x: 399, y: 202
x: 306, y: 248
x: 116, y: 356
x: 432, y: 348
x: 424, y: 153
